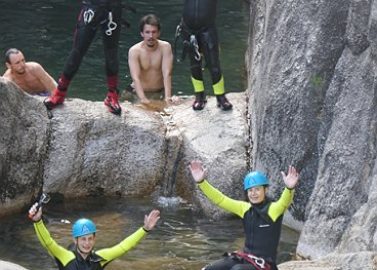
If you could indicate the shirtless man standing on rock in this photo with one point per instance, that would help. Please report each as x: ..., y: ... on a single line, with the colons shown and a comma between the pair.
x: 151, y: 63
x: 29, y: 76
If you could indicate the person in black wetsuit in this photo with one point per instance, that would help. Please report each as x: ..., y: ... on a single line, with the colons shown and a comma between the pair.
x: 261, y: 217
x: 199, y: 35
x: 95, y: 14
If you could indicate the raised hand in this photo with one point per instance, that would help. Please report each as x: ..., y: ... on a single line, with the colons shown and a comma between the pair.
x: 290, y: 179
x: 35, y: 213
x: 150, y: 220
x: 197, y: 170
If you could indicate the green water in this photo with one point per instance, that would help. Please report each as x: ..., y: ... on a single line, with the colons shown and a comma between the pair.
x: 43, y: 30
x: 182, y: 239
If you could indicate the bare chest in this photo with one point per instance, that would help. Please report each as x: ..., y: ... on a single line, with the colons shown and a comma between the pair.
x: 151, y: 60
x: 29, y: 82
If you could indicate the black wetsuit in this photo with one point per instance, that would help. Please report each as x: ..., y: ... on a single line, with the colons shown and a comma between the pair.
x: 199, y: 19
x: 94, y: 15
x: 262, y: 225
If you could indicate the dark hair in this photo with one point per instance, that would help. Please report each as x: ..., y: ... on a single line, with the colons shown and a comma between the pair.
x: 9, y: 52
x: 150, y: 19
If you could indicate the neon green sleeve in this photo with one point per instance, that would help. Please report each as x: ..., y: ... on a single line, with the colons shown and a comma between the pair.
x: 215, y: 196
x: 278, y: 208
x: 109, y: 254
x: 55, y: 250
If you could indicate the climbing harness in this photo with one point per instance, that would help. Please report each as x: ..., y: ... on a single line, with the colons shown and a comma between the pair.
x: 111, y: 25
x: 192, y: 44
x: 195, y: 46
x: 258, y: 262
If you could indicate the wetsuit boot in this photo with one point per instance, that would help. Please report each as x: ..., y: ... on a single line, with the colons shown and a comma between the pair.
x: 219, y: 90
x: 112, y: 102
x: 200, y: 97
x: 223, y: 103
x: 57, y: 97
x: 200, y: 101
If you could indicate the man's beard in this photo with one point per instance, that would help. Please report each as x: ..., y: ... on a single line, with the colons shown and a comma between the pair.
x: 151, y: 43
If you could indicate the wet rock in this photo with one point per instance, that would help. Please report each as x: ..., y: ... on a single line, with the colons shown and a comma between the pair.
x: 23, y: 145
x: 312, y: 73
x: 83, y: 150
x: 4, y: 265
x: 219, y: 139
x: 93, y: 152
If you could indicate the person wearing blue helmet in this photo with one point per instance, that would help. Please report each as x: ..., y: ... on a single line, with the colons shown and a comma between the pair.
x: 262, y: 218
x: 81, y: 255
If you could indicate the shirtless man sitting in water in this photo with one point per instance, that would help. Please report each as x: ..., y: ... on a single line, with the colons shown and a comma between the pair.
x: 29, y: 76
x: 151, y: 62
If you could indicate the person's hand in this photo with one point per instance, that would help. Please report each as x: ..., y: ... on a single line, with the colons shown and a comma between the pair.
x: 151, y: 219
x: 197, y: 171
x: 291, y: 179
x: 173, y: 100
x: 35, y: 214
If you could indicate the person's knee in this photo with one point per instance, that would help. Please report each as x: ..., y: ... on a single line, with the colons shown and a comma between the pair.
x: 112, y: 62
x: 73, y: 63
x: 216, y: 74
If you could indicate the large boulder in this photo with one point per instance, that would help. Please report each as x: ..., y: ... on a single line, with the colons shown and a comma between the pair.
x: 83, y: 150
x: 219, y: 139
x: 23, y: 146
x: 92, y: 152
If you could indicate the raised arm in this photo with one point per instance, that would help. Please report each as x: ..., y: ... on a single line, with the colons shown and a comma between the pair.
x: 290, y: 179
x: 109, y: 254
x: 280, y: 206
x: 236, y: 207
x: 55, y: 250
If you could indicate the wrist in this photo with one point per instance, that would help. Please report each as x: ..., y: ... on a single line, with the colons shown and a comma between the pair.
x: 145, y: 230
x: 201, y: 181
x: 289, y: 188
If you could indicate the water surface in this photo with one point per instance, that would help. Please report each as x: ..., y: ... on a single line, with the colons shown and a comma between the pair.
x: 182, y: 239
x: 43, y: 29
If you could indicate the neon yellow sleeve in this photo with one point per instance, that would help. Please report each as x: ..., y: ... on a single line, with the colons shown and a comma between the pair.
x: 215, y: 196
x: 55, y: 250
x: 109, y: 254
x: 278, y: 208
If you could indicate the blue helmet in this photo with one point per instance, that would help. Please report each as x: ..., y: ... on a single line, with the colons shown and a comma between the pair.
x: 254, y: 179
x: 82, y: 227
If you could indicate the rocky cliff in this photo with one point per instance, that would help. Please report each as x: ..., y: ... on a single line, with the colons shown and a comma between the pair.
x: 312, y: 74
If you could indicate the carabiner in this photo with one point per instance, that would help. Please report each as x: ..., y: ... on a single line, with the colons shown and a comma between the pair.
x: 88, y: 16
x: 111, y: 25
x: 258, y: 260
x: 194, y: 43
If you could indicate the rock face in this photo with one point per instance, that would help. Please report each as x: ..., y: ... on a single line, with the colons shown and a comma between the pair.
x: 312, y: 74
x: 4, y: 265
x: 83, y: 150
x: 23, y: 146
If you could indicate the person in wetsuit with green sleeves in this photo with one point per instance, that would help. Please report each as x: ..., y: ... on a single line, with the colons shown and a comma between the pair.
x: 199, y: 35
x: 82, y: 256
x: 261, y: 217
